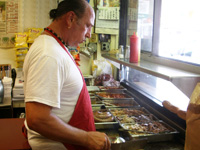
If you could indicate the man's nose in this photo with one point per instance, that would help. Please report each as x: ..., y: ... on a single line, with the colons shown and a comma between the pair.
x: 88, y: 35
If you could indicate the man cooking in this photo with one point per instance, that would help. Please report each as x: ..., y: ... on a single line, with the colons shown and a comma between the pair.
x: 58, y: 108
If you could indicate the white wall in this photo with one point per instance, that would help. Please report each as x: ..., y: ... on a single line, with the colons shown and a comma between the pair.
x: 7, y: 56
x: 34, y: 13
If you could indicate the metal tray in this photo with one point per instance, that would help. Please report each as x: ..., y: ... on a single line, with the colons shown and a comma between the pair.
x: 92, y: 89
x: 119, y: 89
x: 107, y: 125
x: 112, y: 96
x: 120, y: 103
x: 153, y: 137
x: 133, y: 111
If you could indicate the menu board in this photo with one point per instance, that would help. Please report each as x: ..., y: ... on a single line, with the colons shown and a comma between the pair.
x: 8, y: 22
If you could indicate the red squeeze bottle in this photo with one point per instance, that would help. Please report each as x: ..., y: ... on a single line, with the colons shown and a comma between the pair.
x: 134, y: 49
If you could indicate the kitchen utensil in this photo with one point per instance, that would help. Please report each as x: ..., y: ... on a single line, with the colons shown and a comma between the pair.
x: 119, y: 140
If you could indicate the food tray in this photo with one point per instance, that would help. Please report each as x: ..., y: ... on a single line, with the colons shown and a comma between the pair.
x: 133, y: 111
x: 120, y: 103
x: 136, y: 119
x: 119, y: 89
x: 107, y: 125
x: 112, y: 96
x: 151, y: 136
x: 155, y: 127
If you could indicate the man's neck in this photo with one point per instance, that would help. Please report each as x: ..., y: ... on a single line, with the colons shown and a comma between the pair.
x: 57, y: 28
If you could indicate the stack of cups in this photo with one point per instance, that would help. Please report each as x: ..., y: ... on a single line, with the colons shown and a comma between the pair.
x: 7, y: 83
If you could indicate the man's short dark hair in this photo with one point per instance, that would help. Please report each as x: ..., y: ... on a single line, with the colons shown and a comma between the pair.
x: 77, y: 6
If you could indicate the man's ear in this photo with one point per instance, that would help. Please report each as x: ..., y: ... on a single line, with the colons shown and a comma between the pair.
x: 70, y: 18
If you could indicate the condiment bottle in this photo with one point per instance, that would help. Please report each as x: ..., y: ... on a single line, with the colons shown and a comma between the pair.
x: 127, y: 52
x: 121, y: 51
x: 134, y: 49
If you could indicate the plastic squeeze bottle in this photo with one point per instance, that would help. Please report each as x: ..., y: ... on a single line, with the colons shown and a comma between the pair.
x: 134, y: 49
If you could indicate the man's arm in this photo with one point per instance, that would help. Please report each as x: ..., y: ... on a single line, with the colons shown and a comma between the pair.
x: 40, y: 119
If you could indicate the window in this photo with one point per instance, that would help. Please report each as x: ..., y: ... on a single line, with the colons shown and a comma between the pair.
x: 174, y: 32
x: 179, y: 30
x: 145, y: 23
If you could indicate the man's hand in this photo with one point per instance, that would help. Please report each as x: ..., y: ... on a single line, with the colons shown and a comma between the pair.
x: 174, y: 109
x: 98, y: 141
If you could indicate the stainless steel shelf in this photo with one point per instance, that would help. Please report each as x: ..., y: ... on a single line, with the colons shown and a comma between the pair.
x: 185, y: 81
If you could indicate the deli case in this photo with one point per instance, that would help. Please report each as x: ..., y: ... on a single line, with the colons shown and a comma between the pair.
x: 136, y: 118
x: 147, y: 83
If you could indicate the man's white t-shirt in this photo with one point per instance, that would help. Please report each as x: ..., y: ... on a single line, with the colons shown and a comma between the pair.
x: 51, y: 78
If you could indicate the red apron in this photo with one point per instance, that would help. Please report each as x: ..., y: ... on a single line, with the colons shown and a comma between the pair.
x: 82, y: 117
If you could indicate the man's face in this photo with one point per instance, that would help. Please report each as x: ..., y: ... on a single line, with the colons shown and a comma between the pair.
x: 81, y: 28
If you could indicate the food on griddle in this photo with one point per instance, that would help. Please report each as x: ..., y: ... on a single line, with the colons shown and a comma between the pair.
x: 135, y: 119
x: 111, y: 95
x: 118, y: 112
x: 103, y: 115
x: 134, y: 112
x: 118, y: 104
x: 126, y: 111
x: 144, y: 118
x: 157, y: 127
x: 135, y: 127
x: 125, y: 119
x: 151, y: 127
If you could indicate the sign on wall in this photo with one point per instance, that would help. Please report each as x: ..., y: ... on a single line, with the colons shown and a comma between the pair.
x: 8, y: 22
